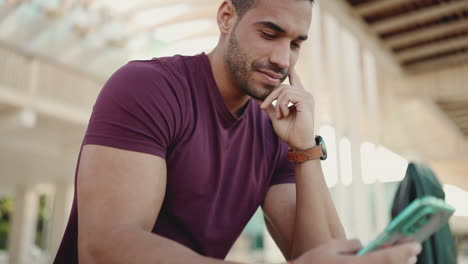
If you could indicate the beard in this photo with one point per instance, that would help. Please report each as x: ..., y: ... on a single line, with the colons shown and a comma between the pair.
x: 241, y: 67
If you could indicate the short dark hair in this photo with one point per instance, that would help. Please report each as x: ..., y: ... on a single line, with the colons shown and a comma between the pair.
x: 242, y: 6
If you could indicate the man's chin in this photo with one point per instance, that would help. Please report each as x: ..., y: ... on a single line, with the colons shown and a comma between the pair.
x: 261, y: 91
x: 260, y: 97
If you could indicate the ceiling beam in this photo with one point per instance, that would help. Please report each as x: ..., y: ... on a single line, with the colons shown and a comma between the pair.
x: 455, y: 172
x: 158, y: 4
x: 47, y: 60
x: 426, y: 33
x: 9, y: 117
x: 6, y: 10
x: 348, y: 18
x: 203, y: 9
x: 432, y: 48
x: 25, y: 118
x: 462, y: 121
x: 65, y: 6
x: 419, y: 16
x: 209, y: 32
x: 457, y: 113
x: 455, y: 105
x: 437, y: 64
x: 378, y: 6
x: 446, y: 127
x: 47, y: 107
x: 25, y: 164
x: 129, y: 14
x: 208, y: 12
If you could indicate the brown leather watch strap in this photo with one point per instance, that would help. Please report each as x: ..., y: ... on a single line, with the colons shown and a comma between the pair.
x: 298, y: 156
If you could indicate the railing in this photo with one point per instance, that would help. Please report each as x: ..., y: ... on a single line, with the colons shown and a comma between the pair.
x: 46, y: 87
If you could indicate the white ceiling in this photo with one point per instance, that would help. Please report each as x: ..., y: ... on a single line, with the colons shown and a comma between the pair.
x: 96, y: 36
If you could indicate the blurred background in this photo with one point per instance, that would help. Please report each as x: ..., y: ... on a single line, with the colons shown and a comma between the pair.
x: 390, y: 78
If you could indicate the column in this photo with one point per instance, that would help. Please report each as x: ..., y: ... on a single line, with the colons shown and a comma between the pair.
x: 353, y: 85
x: 334, y: 57
x: 29, y: 114
x: 310, y: 64
x: 316, y: 69
x: 23, y: 224
x: 63, y: 199
x: 373, y: 109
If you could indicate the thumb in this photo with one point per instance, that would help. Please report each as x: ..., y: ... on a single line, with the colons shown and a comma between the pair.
x: 345, y: 246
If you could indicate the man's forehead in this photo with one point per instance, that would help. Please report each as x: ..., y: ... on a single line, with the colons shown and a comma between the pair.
x: 303, y: 6
x: 292, y: 15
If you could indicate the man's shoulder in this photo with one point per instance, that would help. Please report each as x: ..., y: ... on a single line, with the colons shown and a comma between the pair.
x: 160, y: 72
x: 163, y: 66
x: 150, y: 80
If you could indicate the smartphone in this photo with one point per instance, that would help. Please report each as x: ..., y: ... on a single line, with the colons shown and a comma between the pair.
x: 416, y: 222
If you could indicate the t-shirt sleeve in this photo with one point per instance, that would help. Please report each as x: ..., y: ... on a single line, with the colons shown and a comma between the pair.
x: 139, y: 109
x: 284, y: 172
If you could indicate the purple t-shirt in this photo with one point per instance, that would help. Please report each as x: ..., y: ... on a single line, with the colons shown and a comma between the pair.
x: 219, y: 167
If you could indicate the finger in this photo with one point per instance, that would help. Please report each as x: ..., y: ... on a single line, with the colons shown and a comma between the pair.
x: 294, y: 79
x: 351, y: 246
x: 271, y: 97
x: 413, y: 260
x: 279, y: 114
x: 296, y: 96
x: 271, y: 112
x: 282, y: 103
x: 403, y: 253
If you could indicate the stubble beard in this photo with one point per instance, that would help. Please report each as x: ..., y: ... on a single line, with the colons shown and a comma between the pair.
x: 241, y: 66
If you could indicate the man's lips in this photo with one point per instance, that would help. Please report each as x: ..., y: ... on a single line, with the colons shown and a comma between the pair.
x: 271, y: 76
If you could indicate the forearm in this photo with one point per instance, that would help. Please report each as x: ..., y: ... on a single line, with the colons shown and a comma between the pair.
x: 139, y: 246
x: 316, y: 220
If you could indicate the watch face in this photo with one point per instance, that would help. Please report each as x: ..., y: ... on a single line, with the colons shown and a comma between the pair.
x: 319, y: 141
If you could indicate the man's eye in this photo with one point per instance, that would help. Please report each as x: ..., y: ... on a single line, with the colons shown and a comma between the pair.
x: 268, y: 36
x: 295, y: 45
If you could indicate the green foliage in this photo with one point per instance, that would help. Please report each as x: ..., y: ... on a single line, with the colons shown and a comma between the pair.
x: 41, y: 222
x: 6, y: 208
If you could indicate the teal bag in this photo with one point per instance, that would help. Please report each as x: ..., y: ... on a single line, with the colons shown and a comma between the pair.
x: 421, y: 181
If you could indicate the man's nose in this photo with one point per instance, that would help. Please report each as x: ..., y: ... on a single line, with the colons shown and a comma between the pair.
x: 280, y: 56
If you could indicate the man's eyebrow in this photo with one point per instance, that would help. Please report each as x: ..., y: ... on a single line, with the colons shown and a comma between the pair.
x: 271, y: 25
x: 279, y: 29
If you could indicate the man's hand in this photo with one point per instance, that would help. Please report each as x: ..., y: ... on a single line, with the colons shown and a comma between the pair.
x: 343, y: 252
x: 293, y: 124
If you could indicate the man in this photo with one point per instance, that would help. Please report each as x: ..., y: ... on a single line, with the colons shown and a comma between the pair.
x: 181, y: 151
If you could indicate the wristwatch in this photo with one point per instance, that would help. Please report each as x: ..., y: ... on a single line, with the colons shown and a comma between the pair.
x: 317, y: 152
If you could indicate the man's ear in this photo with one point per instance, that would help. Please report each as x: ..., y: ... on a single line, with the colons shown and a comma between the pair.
x: 227, y: 16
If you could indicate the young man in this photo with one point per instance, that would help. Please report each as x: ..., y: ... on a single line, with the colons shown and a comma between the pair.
x: 181, y: 151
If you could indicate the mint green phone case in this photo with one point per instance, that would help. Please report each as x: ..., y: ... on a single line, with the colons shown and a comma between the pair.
x: 417, y: 222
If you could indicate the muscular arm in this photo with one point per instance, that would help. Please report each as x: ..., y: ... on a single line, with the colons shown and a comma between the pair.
x: 119, y: 197
x: 316, y: 220
x: 302, y: 216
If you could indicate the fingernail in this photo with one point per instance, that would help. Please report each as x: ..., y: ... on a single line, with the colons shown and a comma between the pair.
x: 417, y: 249
x: 412, y: 260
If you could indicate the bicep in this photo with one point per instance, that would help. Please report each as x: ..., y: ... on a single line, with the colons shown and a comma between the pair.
x: 118, y: 188
x: 279, y: 208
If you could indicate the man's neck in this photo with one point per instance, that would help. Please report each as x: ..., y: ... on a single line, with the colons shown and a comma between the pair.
x: 234, y: 99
